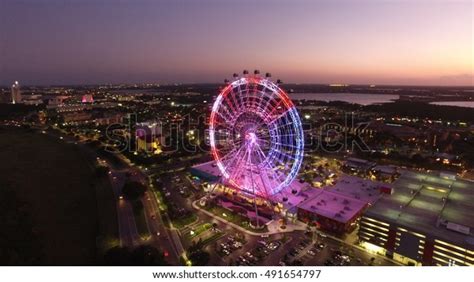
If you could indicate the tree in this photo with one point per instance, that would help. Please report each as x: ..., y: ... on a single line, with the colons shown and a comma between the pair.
x: 101, y: 171
x: 117, y: 256
x: 417, y: 159
x: 297, y: 263
x: 133, y: 190
x: 141, y: 256
x: 146, y: 255
x: 137, y: 207
x: 197, y: 255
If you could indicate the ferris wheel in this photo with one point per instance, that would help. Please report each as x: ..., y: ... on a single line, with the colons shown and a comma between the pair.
x: 256, y: 136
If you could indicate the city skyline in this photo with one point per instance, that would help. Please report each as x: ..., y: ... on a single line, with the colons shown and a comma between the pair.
x: 353, y: 42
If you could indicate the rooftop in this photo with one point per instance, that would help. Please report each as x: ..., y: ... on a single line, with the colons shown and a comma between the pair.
x: 332, y: 205
x: 388, y: 169
x: 357, y: 188
x: 359, y: 163
x: 209, y: 167
x: 427, y: 203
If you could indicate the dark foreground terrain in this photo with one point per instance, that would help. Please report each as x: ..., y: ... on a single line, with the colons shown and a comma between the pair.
x: 49, y: 213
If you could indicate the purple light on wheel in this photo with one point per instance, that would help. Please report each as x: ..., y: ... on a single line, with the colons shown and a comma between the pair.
x: 256, y: 136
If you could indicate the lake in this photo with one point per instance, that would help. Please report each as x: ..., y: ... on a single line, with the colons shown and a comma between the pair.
x: 463, y: 104
x: 353, y: 98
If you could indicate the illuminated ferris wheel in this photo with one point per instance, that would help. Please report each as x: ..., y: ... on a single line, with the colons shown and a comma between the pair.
x: 256, y: 136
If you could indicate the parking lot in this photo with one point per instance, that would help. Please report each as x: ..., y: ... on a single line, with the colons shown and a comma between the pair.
x: 295, y: 248
x: 228, y: 246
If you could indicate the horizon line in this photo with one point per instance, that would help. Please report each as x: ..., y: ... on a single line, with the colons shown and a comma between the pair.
x: 335, y: 85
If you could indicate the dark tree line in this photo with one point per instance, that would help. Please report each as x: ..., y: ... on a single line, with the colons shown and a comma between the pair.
x: 423, y: 110
x: 141, y: 256
x: 197, y: 255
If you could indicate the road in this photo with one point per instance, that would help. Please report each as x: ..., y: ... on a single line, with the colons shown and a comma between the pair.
x: 127, y: 228
x: 163, y: 238
x: 166, y: 239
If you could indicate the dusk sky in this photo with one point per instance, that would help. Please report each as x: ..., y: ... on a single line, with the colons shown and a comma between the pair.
x: 368, y: 42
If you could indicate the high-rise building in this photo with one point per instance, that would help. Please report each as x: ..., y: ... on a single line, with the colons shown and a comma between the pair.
x: 16, y: 93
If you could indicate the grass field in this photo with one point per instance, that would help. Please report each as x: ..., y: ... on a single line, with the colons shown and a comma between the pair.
x: 142, y: 226
x: 73, y: 212
x: 183, y: 221
x: 107, y: 216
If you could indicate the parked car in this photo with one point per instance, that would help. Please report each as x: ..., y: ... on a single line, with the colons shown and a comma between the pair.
x: 312, y: 252
x: 274, y: 245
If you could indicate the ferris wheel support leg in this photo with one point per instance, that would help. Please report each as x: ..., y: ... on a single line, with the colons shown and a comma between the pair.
x: 209, y: 193
x: 256, y: 210
x: 214, y: 187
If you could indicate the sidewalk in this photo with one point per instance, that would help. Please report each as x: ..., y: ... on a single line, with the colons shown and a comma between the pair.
x: 271, y: 225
